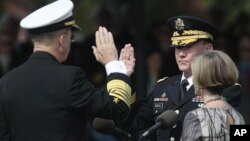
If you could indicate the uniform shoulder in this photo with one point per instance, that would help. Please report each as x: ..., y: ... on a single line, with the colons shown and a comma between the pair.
x: 68, y: 71
x: 237, y: 85
x: 161, y: 79
x: 70, y: 68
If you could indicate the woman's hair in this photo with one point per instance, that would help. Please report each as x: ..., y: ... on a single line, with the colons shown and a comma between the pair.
x: 213, y: 70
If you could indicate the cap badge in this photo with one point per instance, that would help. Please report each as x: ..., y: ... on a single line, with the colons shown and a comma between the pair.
x: 179, y: 24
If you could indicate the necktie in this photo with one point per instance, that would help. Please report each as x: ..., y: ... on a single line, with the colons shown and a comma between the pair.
x: 183, y: 88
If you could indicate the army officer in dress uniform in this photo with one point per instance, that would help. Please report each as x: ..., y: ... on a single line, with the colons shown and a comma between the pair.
x: 191, y: 36
x: 44, y: 100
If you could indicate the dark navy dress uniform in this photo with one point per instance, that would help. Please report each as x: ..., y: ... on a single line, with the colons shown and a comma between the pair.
x: 43, y: 100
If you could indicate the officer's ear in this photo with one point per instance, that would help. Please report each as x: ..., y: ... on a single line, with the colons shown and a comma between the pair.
x: 209, y: 46
x: 207, y: 43
x: 62, y: 39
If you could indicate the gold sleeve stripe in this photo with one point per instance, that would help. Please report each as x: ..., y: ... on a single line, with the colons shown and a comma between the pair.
x: 121, y: 90
x: 119, y: 84
x: 133, y: 98
x: 122, y: 94
x: 121, y: 98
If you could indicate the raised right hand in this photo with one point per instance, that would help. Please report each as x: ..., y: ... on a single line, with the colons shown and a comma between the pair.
x: 105, y: 50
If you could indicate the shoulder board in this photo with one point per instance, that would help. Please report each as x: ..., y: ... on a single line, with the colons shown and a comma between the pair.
x: 237, y: 84
x: 162, y: 79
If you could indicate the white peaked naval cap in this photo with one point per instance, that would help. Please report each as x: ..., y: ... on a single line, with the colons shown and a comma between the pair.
x: 51, y: 17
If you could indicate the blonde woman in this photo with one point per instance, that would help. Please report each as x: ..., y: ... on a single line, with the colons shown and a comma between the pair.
x: 212, y: 72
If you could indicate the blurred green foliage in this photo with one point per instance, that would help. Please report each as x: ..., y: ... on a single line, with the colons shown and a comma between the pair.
x: 233, y: 7
x: 152, y: 10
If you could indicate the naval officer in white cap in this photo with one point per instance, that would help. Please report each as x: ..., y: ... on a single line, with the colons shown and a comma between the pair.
x: 44, y: 100
x: 50, y: 18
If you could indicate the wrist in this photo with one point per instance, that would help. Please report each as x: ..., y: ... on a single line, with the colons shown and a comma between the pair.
x: 115, y: 66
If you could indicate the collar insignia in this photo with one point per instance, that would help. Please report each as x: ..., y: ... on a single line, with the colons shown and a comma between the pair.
x: 163, y: 95
x: 197, y: 99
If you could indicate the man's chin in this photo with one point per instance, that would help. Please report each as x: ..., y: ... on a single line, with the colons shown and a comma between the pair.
x: 183, y: 68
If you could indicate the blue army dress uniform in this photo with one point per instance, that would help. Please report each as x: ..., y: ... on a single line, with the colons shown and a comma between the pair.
x: 167, y: 93
x: 44, y: 100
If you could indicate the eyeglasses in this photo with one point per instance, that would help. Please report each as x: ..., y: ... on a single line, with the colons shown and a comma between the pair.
x: 72, y: 37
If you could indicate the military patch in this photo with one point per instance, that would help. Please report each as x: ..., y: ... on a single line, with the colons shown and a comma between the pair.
x: 164, y: 95
x: 197, y: 99
x: 158, y: 106
x: 162, y: 99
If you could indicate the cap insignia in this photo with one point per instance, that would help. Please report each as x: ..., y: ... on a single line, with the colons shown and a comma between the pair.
x: 179, y: 24
x: 69, y: 23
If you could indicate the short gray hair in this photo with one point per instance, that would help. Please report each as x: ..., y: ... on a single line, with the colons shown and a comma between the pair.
x: 48, y: 37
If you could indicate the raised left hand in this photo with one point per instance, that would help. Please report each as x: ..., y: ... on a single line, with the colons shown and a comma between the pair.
x: 127, y: 56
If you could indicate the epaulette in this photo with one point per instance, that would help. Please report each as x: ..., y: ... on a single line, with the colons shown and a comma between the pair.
x: 237, y: 84
x: 162, y: 79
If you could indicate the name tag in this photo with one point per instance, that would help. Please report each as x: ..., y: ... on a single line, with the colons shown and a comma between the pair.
x: 161, y: 99
x: 158, y: 106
